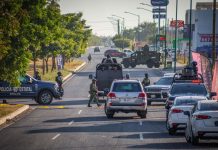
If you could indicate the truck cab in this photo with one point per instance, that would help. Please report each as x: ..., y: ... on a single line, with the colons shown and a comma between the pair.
x: 42, y: 92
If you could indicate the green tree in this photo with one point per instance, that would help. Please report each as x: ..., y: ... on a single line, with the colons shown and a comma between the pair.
x: 122, y: 43
x: 14, y: 55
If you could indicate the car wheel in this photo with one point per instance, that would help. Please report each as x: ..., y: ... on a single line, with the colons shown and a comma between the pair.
x: 126, y: 65
x: 149, y: 103
x: 187, y: 137
x: 109, y: 113
x: 133, y: 65
x: 194, y: 139
x: 157, y: 65
x: 142, y: 114
x: 45, y: 97
x: 171, y: 131
x: 149, y: 64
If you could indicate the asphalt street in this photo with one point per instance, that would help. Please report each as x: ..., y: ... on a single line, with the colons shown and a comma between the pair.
x: 69, y: 124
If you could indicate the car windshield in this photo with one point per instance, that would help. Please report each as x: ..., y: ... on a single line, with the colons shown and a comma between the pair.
x: 126, y: 87
x: 180, y: 102
x: 165, y: 81
x: 188, y: 89
x: 209, y: 106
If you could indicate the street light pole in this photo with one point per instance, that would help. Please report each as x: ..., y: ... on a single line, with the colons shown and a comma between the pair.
x: 165, y: 54
x: 175, y: 37
x: 138, y: 22
x: 190, y: 33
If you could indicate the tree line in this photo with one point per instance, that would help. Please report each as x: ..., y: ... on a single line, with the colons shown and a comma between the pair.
x: 36, y: 29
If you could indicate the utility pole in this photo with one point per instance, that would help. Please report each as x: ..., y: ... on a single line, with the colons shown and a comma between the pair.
x: 175, y: 36
x: 165, y: 54
x: 118, y: 26
x: 190, y: 34
x: 214, y: 34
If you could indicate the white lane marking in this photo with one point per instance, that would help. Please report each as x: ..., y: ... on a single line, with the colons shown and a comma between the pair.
x: 79, y: 111
x: 141, y: 136
x: 70, y: 123
x: 140, y: 122
x: 56, y: 136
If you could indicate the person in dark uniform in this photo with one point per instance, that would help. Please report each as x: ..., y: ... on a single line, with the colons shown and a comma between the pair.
x: 59, y: 80
x: 146, y: 80
x: 37, y: 76
x: 89, y: 58
x: 93, y: 93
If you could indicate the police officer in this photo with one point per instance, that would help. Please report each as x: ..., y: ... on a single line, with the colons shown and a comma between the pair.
x: 37, y: 76
x: 89, y: 58
x: 93, y: 93
x: 127, y: 76
x: 59, y: 80
x: 146, y: 80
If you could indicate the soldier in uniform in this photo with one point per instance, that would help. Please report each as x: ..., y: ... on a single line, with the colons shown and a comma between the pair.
x: 93, y: 93
x: 146, y: 80
x: 89, y: 58
x: 37, y: 76
x: 59, y: 80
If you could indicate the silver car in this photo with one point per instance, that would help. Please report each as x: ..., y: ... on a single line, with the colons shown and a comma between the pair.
x: 126, y: 96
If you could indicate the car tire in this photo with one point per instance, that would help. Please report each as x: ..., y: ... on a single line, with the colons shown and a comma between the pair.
x: 150, y: 64
x: 126, y: 65
x: 194, y: 139
x: 109, y: 113
x: 133, y: 65
x: 142, y: 114
x: 45, y: 97
x: 171, y: 131
x: 149, y: 103
x: 157, y: 65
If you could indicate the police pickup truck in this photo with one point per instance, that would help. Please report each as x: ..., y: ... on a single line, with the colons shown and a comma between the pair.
x: 41, y: 91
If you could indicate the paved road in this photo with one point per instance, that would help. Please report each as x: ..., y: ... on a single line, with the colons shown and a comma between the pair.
x: 70, y: 124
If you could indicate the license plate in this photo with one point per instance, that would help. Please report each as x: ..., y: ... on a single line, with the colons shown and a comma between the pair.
x: 153, y: 96
x: 216, y: 123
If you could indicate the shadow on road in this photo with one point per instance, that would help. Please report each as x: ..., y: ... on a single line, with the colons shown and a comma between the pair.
x: 181, y: 145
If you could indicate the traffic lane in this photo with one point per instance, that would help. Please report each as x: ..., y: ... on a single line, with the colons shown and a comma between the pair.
x: 17, y: 136
x: 92, y: 130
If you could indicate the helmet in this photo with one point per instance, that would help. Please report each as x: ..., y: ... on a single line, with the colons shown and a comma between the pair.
x: 94, y: 79
x: 194, y: 63
x: 37, y: 72
x: 146, y: 74
x: 59, y: 73
x: 108, y: 56
x: 127, y: 76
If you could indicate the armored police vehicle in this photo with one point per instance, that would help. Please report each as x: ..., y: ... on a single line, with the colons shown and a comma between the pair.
x: 41, y: 91
x: 106, y: 72
x: 146, y: 57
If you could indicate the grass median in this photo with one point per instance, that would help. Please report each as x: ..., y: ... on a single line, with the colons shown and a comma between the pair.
x: 50, y: 75
x: 6, y: 109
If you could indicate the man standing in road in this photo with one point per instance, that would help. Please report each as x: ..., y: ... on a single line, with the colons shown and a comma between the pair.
x: 146, y: 81
x: 89, y: 57
x: 93, y: 93
x: 59, y: 80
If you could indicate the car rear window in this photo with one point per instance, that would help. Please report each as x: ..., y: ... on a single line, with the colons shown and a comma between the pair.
x: 165, y: 81
x: 183, y: 102
x: 209, y: 106
x: 187, y: 89
x: 126, y: 87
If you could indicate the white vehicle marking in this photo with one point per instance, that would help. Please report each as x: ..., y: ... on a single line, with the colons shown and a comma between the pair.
x: 140, y: 122
x: 79, y: 112
x: 70, y: 123
x: 141, y: 136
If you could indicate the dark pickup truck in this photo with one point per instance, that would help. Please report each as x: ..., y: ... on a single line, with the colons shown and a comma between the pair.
x: 41, y: 91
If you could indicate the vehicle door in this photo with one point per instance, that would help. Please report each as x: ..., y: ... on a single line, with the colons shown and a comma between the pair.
x: 5, y: 89
x: 28, y: 86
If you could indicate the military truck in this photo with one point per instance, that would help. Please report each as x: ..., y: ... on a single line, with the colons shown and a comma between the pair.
x: 107, y: 71
x: 146, y: 57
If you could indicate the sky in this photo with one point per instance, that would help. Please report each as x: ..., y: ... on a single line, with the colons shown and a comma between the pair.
x: 98, y: 12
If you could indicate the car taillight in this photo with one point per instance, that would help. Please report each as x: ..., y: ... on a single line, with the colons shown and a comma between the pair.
x: 111, y: 95
x: 202, y: 117
x: 142, y: 95
x: 176, y: 111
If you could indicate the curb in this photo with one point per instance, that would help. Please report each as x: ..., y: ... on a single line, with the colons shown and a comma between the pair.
x: 13, y: 114
x: 73, y: 71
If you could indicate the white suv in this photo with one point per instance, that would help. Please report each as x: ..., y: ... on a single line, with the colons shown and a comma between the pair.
x: 126, y: 96
x: 202, y: 122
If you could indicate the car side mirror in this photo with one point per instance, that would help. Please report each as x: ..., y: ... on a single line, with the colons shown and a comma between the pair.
x: 187, y: 113
x: 213, y: 94
x: 90, y: 76
x: 29, y: 81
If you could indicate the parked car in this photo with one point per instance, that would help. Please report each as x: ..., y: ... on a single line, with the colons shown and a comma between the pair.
x: 202, y: 121
x: 126, y: 96
x: 176, y: 118
x: 128, y: 52
x: 159, y: 91
x: 41, y: 91
x: 96, y: 49
x: 114, y: 53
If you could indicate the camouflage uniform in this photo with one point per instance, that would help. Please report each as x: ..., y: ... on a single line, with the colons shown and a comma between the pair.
x: 93, y: 94
x: 146, y: 82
